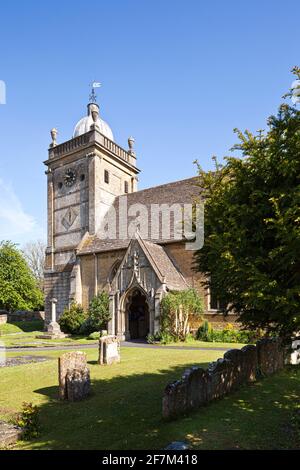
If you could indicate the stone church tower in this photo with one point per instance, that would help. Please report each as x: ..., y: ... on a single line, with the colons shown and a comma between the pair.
x: 89, y: 177
x: 84, y: 175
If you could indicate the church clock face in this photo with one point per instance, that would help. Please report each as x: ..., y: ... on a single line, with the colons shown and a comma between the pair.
x: 70, y: 177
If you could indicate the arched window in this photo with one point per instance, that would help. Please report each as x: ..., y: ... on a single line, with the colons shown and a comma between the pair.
x: 113, y: 270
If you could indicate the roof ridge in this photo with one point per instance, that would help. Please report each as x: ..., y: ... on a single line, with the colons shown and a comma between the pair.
x: 159, y: 186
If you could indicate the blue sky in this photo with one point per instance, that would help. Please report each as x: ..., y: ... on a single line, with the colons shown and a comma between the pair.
x: 177, y: 75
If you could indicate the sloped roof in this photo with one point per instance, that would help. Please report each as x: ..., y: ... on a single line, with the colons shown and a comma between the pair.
x: 178, y: 192
x: 167, y: 272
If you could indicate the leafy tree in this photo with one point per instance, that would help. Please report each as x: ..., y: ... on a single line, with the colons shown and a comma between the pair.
x: 72, y: 319
x: 18, y: 287
x: 177, y: 308
x: 99, y: 314
x: 252, y: 226
x: 34, y: 253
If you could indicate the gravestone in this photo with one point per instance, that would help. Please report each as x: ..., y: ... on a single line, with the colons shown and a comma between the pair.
x: 9, y: 434
x: 73, y: 376
x: 109, y: 350
x: 78, y: 384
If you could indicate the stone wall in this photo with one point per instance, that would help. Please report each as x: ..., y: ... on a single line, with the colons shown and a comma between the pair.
x: 57, y: 285
x: 25, y: 315
x: 198, y: 387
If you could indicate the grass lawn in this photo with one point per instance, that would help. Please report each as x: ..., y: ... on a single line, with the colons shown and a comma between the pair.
x: 23, y: 334
x: 124, y: 410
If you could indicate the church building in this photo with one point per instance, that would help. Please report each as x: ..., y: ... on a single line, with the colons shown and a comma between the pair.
x: 91, y: 181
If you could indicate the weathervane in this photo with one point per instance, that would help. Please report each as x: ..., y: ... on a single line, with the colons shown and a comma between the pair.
x: 93, y: 97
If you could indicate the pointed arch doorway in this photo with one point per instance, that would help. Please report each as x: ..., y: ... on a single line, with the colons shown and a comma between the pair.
x: 137, y: 314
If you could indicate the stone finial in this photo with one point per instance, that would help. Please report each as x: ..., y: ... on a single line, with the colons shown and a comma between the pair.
x: 93, y: 110
x: 53, y: 133
x: 131, y: 142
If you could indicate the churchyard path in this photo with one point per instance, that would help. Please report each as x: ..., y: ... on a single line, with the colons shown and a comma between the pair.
x: 127, y: 344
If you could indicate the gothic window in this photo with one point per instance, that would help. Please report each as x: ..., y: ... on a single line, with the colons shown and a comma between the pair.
x: 106, y: 176
x: 126, y: 187
x: 114, y: 270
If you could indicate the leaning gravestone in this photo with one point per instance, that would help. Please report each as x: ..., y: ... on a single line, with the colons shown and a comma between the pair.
x: 73, y: 376
x: 9, y: 434
x: 109, y: 350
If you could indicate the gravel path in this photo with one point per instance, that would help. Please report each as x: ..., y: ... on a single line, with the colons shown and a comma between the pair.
x: 127, y: 344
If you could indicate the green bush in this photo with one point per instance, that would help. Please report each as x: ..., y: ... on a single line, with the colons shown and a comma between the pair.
x: 72, y: 319
x: 99, y: 311
x: 87, y: 327
x: 94, y: 335
x: 204, y: 332
x: 28, y: 420
x: 161, y: 337
x: 228, y: 335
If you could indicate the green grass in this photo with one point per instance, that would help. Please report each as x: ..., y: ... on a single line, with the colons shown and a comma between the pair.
x: 124, y: 410
x: 21, y: 327
x: 23, y: 334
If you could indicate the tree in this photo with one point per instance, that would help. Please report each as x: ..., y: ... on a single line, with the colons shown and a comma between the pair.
x: 34, y: 253
x: 177, y: 308
x: 72, y: 319
x: 252, y: 226
x: 18, y: 287
x: 98, y: 313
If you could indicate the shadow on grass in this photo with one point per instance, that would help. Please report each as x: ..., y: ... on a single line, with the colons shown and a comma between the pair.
x: 124, y: 412
x: 29, y: 326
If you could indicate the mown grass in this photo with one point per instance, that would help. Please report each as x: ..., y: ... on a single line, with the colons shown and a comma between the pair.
x: 24, y: 334
x: 124, y: 410
x: 21, y: 327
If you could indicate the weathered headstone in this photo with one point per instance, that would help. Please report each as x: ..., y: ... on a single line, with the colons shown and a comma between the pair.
x: 9, y: 434
x: 73, y: 376
x: 109, y: 350
x: 78, y: 384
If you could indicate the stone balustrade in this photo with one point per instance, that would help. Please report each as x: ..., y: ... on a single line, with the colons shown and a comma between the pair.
x: 85, y: 139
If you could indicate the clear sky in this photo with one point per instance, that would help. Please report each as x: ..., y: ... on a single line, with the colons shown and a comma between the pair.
x: 177, y: 75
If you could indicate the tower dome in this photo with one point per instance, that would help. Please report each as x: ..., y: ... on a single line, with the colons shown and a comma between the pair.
x: 84, y: 125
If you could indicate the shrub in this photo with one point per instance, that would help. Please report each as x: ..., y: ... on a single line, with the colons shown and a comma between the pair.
x: 204, y: 332
x: 28, y: 420
x: 87, y: 327
x: 227, y: 335
x: 160, y: 336
x: 98, y: 312
x: 94, y: 335
x: 72, y: 319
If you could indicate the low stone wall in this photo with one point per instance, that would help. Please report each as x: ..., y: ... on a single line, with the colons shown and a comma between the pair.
x: 24, y: 315
x: 198, y: 386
